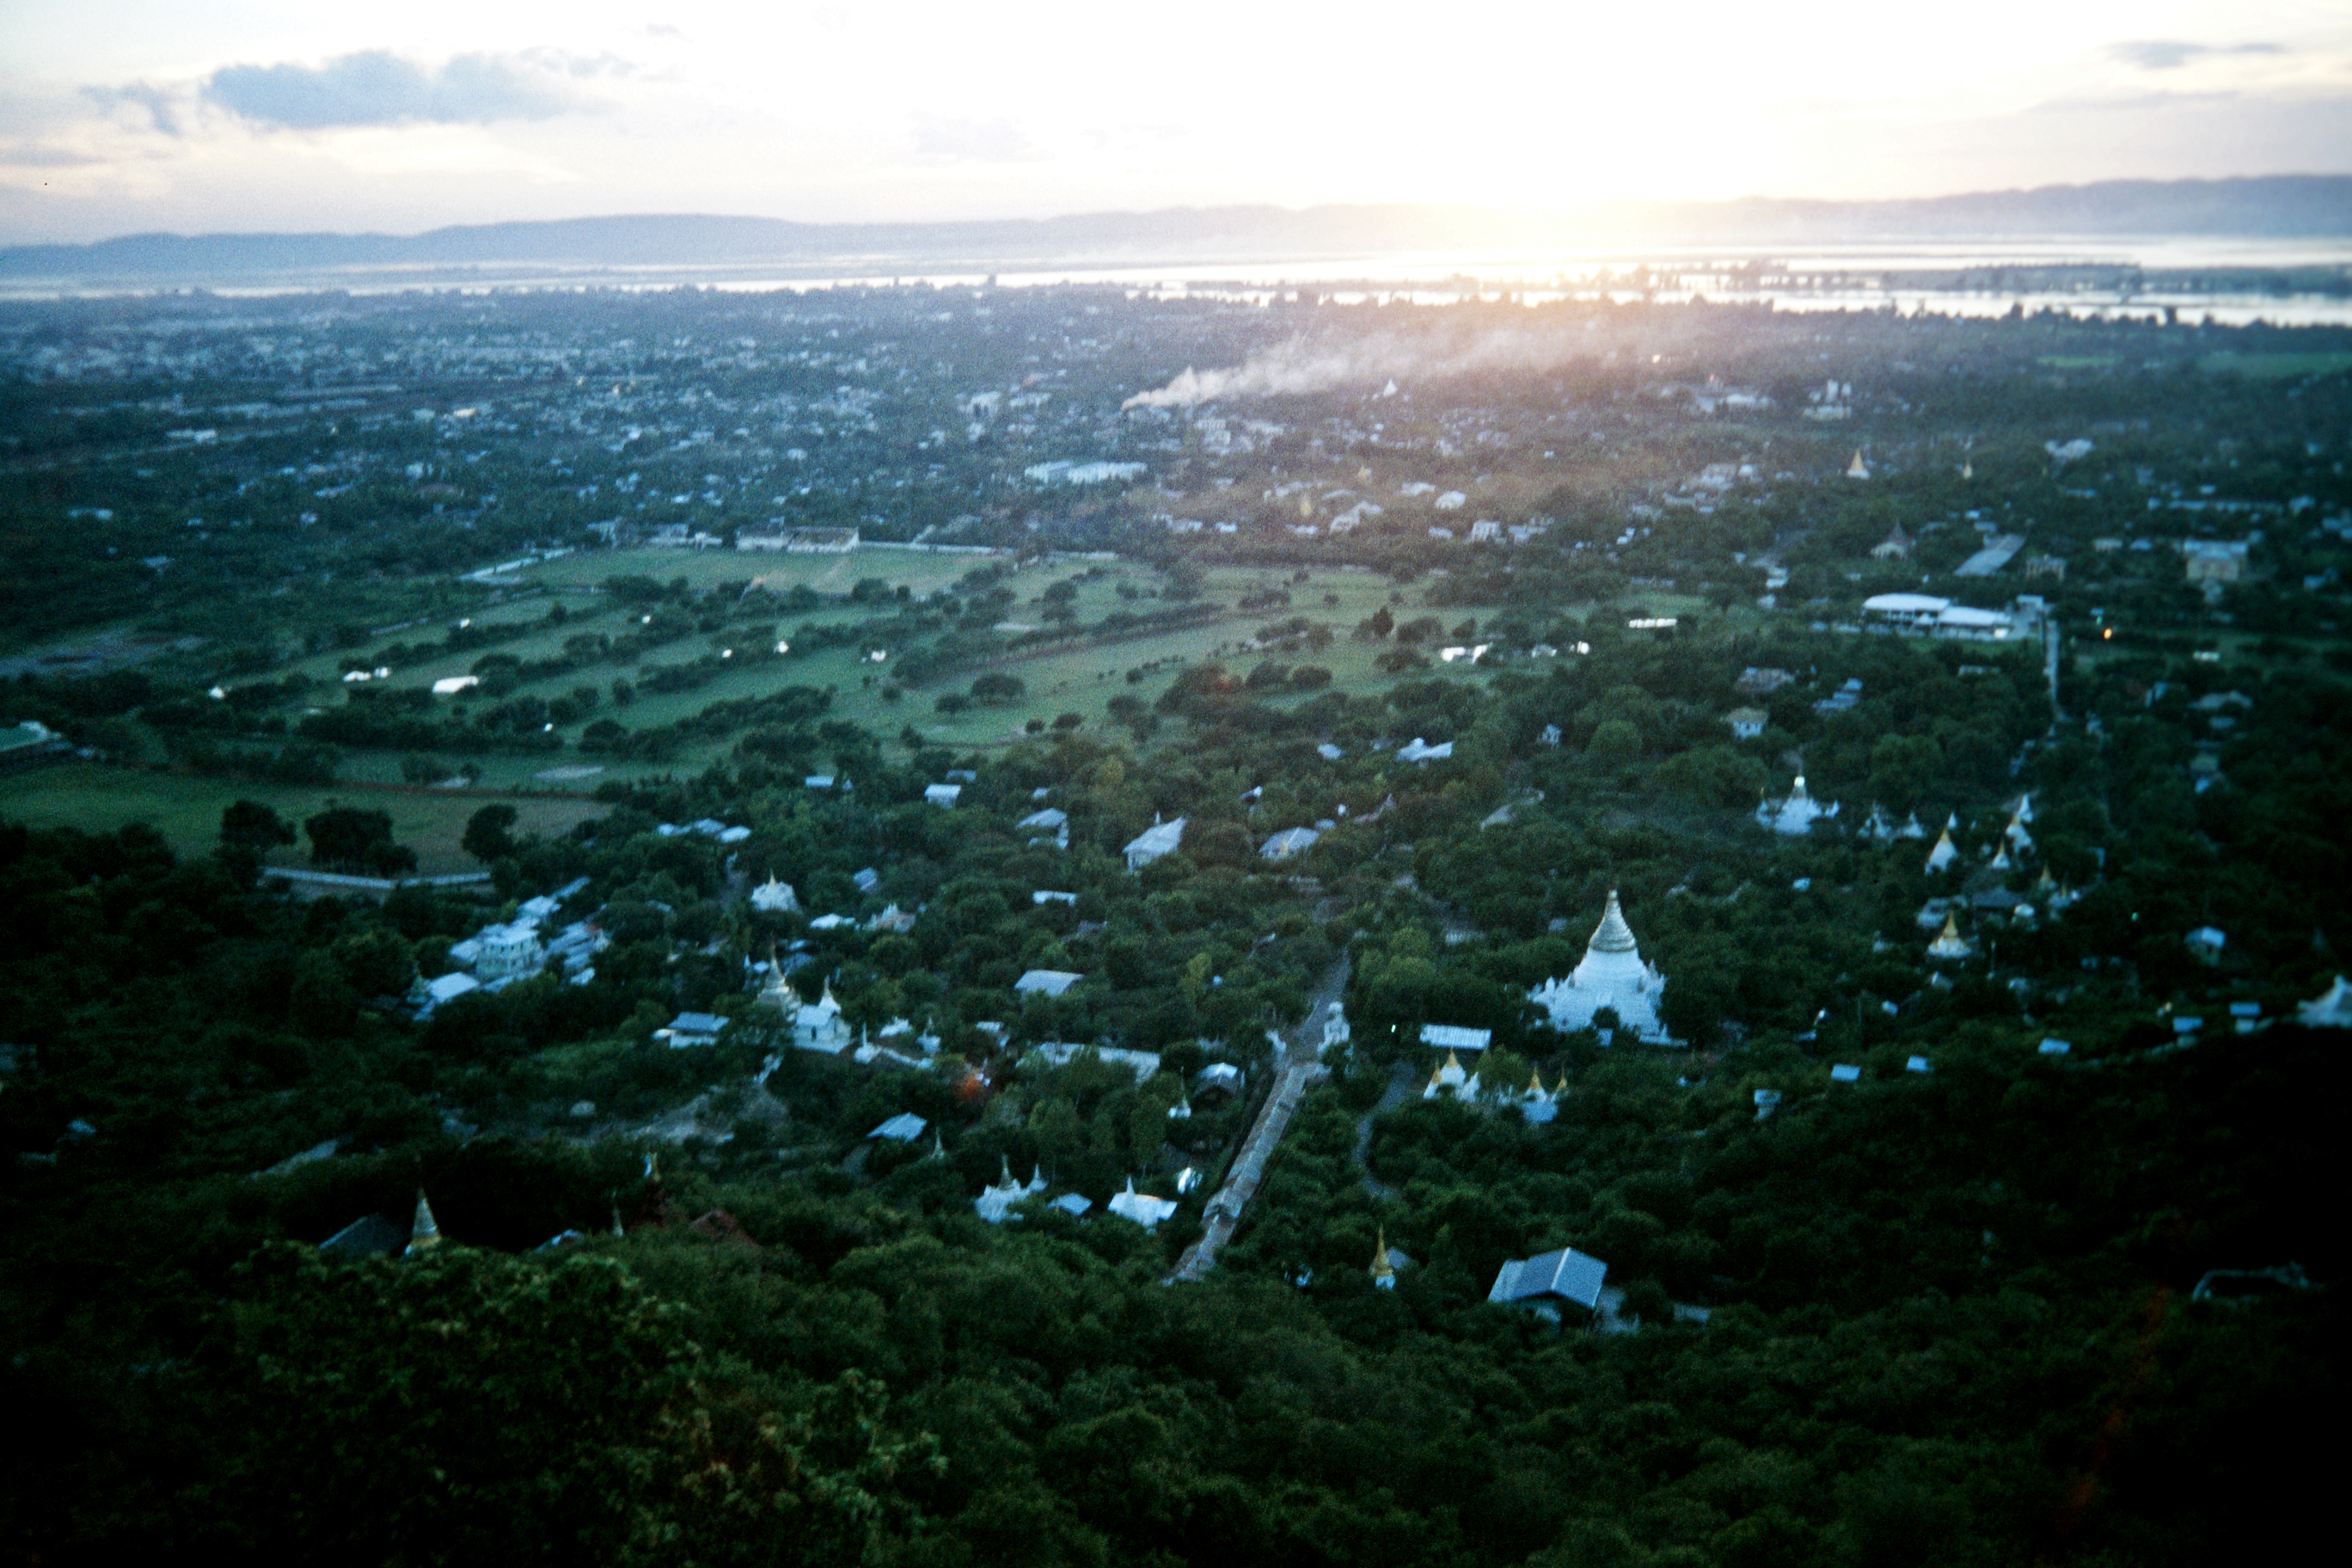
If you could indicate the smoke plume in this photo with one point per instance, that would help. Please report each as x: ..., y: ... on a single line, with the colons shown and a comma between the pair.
x: 1301, y: 367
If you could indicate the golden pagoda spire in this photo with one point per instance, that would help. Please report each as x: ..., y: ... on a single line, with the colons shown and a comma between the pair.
x: 1383, y: 1271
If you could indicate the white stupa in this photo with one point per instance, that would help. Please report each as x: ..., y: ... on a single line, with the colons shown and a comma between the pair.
x: 994, y: 1203
x: 1949, y: 945
x: 1452, y: 1078
x: 1795, y: 815
x: 1944, y: 853
x: 1611, y: 975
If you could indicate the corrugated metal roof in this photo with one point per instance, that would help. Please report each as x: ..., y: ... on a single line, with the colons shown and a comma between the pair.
x: 1567, y: 1273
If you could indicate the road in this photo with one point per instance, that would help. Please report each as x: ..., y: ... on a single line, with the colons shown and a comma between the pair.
x: 1296, y: 1068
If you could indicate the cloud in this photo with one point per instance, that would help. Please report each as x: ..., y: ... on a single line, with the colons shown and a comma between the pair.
x: 375, y: 86
x: 2171, y: 54
x: 944, y: 140
x: 44, y: 155
x: 165, y: 109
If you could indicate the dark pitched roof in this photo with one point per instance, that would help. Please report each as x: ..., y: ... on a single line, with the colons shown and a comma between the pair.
x: 371, y: 1235
x: 1567, y: 1273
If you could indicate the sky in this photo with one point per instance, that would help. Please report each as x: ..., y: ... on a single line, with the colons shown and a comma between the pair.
x: 134, y: 116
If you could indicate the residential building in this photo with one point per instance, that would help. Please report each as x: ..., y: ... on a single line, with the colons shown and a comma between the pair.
x: 1161, y: 838
x: 692, y: 1029
x: 1542, y: 1282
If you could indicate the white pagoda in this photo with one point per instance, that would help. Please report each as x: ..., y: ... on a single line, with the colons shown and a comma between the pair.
x: 1797, y: 813
x: 994, y: 1203
x: 1611, y: 975
x: 1944, y: 853
x: 1454, y: 1078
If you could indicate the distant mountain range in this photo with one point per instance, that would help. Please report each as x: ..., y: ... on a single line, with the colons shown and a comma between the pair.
x: 2268, y: 208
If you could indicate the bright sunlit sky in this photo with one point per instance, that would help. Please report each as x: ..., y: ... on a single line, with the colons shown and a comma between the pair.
x: 120, y: 116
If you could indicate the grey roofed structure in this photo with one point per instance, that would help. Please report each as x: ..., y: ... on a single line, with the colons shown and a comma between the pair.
x: 1048, y: 982
x: 905, y: 1127
x: 1071, y: 1204
x: 1455, y: 1037
x: 372, y: 1235
x: 1566, y: 1275
x: 692, y: 1029
x: 1160, y: 838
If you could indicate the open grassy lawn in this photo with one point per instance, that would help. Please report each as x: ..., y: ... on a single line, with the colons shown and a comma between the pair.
x: 1079, y: 680
x: 186, y: 810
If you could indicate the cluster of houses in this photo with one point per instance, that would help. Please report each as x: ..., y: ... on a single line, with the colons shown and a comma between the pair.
x: 499, y: 954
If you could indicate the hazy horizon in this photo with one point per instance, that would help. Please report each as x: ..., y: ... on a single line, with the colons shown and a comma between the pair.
x: 133, y: 117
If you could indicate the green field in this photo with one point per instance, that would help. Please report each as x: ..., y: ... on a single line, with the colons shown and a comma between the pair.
x: 1080, y: 679
x: 186, y: 809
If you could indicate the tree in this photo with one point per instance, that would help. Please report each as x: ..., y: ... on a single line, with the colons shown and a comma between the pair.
x: 539, y: 1413
x: 350, y: 839
x: 1616, y: 744
x: 1184, y: 580
x: 376, y: 962
x: 249, y: 825
x: 490, y: 833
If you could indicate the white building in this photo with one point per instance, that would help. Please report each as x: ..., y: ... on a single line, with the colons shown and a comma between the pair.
x: 775, y: 898
x: 1420, y: 750
x: 1611, y: 975
x: 817, y: 1026
x: 943, y: 794
x: 1455, y: 1037
x: 994, y: 1203
x: 1141, y: 1208
x: 692, y: 1029
x: 427, y: 995
x: 1046, y: 981
x: 1160, y: 838
x: 1797, y: 813
x: 504, y: 952
x: 1928, y: 615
